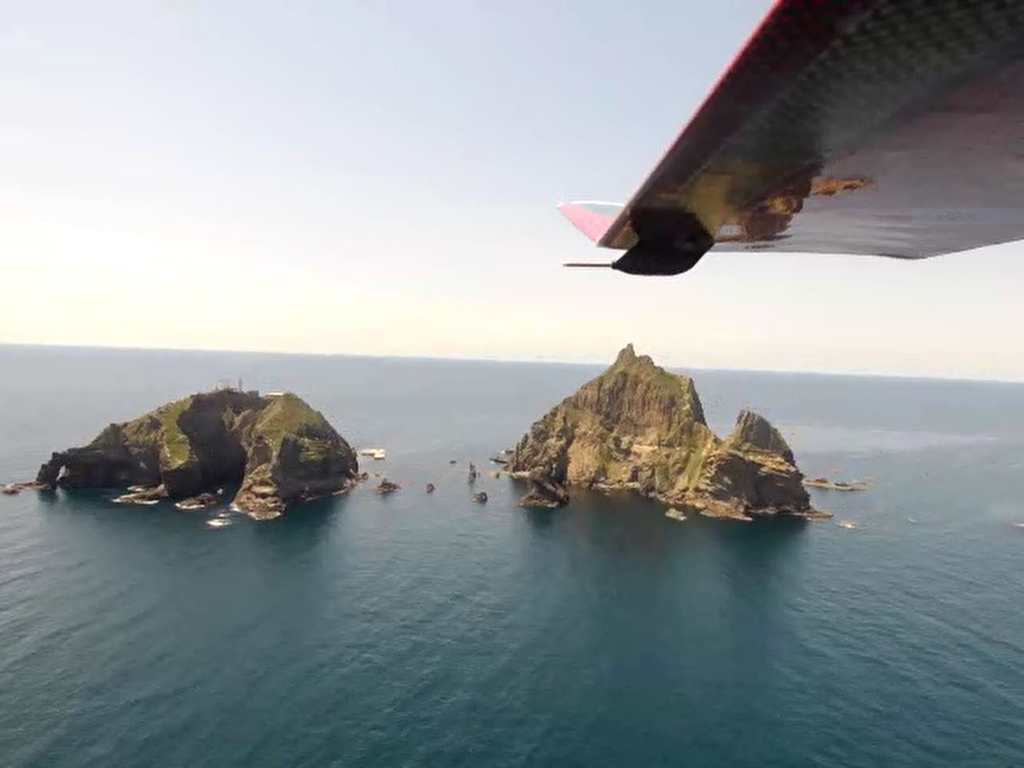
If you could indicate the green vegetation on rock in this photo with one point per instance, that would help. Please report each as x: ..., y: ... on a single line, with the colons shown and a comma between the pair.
x: 287, y: 415
x: 638, y: 426
x: 314, y: 449
x: 277, y: 447
x: 175, y: 442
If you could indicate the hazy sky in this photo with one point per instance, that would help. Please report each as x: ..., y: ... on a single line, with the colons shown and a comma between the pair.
x: 379, y: 176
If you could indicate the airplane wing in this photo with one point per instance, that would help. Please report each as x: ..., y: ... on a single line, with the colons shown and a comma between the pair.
x: 881, y: 127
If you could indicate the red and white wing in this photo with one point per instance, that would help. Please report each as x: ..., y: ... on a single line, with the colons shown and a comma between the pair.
x: 883, y: 127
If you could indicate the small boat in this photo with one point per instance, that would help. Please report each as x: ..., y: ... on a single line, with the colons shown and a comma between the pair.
x: 377, y: 454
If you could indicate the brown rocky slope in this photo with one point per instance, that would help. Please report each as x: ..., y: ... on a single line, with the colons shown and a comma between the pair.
x: 641, y: 428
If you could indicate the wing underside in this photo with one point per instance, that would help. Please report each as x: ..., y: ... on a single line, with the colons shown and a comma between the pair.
x: 890, y: 128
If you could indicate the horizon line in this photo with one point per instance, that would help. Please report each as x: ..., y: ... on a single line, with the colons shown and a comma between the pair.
x: 513, y: 360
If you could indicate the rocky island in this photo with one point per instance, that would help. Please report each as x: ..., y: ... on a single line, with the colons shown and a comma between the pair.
x: 638, y: 427
x: 276, y: 448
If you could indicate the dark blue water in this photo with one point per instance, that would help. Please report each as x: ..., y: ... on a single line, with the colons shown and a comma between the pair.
x: 427, y: 630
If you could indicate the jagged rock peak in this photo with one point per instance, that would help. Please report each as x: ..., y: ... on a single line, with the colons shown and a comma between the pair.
x: 626, y: 354
x: 753, y: 431
x: 640, y: 379
x: 628, y: 357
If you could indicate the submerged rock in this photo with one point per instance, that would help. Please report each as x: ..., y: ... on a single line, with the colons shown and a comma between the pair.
x: 202, y: 501
x: 502, y: 457
x: 277, y: 448
x: 140, y: 494
x: 836, y: 485
x: 386, y: 486
x: 641, y: 428
x: 431, y: 488
x: 13, y: 489
x: 472, y: 472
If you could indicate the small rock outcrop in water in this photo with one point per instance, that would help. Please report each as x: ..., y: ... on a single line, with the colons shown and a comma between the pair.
x: 639, y: 427
x: 277, y: 448
x: 543, y: 492
x: 472, y: 473
x: 13, y: 489
x: 480, y: 497
x: 836, y: 485
x: 142, y: 495
x: 202, y: 501
x: 502, y: 457
x: 431, y: 488
x: 386, y: 486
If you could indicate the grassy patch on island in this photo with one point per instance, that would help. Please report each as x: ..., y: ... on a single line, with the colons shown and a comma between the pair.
x: 288, y: 415
x: 178, y: 449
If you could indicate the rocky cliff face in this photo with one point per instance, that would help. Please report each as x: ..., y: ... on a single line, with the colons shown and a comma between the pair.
x: 277, y: 448
x: 750, y: 473
x: 639, y: 427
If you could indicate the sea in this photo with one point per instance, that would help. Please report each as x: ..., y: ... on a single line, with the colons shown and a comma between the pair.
x: 429, y: 630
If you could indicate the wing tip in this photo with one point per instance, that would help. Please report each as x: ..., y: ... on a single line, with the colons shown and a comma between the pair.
x: 582, y: 215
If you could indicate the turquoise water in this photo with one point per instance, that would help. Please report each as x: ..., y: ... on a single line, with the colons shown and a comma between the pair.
x: 427, y: 630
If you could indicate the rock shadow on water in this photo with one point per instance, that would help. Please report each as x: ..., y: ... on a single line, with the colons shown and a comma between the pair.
x: 630, y: 526
x: 315, y: 515
x: 313, y: 533
x: 541, y: 517
x: 49, y: 498
x: 774, y: 532
x: 763, y: 536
